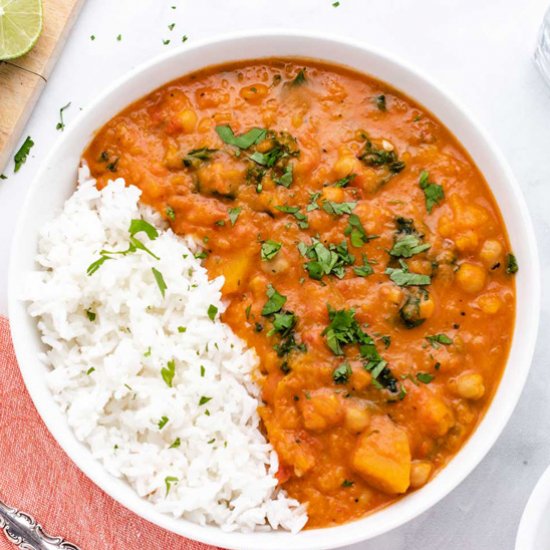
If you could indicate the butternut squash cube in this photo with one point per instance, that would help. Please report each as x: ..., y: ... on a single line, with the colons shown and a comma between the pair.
x: 382, y: 456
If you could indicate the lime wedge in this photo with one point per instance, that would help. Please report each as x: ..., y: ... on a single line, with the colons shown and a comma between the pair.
x: 20, y: 26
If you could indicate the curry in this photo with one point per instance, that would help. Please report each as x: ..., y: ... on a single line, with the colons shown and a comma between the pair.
x: 364, y: 256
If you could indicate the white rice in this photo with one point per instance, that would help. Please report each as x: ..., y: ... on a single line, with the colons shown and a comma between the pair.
x: 106, y: 373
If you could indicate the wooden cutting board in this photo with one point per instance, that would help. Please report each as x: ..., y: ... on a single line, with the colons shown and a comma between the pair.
x: 23, y: 79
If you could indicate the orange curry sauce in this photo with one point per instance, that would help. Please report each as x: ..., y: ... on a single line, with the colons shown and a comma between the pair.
x: 370, y: 402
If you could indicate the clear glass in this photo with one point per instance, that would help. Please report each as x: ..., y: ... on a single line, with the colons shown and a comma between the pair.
x: 542, y: 53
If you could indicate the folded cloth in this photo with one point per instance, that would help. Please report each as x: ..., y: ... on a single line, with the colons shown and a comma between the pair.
x: 36, y: 476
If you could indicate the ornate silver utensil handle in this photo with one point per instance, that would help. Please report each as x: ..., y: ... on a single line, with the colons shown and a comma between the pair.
x: 23, y: 531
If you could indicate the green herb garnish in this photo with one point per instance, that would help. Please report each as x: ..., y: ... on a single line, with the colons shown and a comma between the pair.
x: 162, y: 422
x: 424, y: 377
x: 170, y: 214
x: 234, y: 214
x: 269, y: 250
x: 203, y: 400
x: 244, y: 141
x: 380, y: 101
x: 176, y: 443
x: 363, y: 270
x: 195, y: 156
x: 402, y: 276
x: 169, y: 372
x: 274, y: 303
x: 433, y: 193
x: 341, y: 374
x: 212, y: 312
x: 511, y: 264
x: 160, y: 281
x: 407, y: 246
x: 90, y: 314
x: 61, y: 125
x: 338, y: 208
x: 21, y: 156
x: 168, y: 481
x: 437, y: 339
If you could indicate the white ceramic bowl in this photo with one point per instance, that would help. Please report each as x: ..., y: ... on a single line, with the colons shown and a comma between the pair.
x: 56, y: 181
x: 534, y: 527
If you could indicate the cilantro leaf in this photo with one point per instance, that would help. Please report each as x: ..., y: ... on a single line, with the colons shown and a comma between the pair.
x: 436, y: 339
x: 363, y: 270
x: 511, y: 264
x: 234, y: 214
x: 175, y: 444
x: 244, y: 141
x: 168, y: 481
x: 357, y: 234
x: 286, y: 179
x: 338, y: 208
x: 162, y: 422
x: 160, y: 281
x: 402, y: 277
x: 343, y: 182
x: 380, y: 101
x: 61, y: 125
x: 424, y: 377
x: 433, y: 193
x: 137, y: 226
x: 169, y: 372
x: 21, y: 156
x: 269, y: 250
x: 341, y: 374
x: 408, y: 246
x: 376, y: 158
x: 274, y: 303
x: 300, y: 78
x: 295, y: 211
x: 203, y: 400
x: 212, y: 312
x: 195, y: 156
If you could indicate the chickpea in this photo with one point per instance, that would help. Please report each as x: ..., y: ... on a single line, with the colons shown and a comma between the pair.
x: 420, y: 473
x: 445, y: 226
x: 489, y: 303
x: 423, y: 267
x: 467, y: 241
x: 344, y: 166
x: 360, y: 378
x: 357, y: 417
x: 426, y: 307
x: 254, y: 93
x: 205, y: 124
x: 335, y: 194
x: 468, y: 386
x: 490, y: 253
x: 471, y: 277
x: 188, y: 120
x: 279, y: 264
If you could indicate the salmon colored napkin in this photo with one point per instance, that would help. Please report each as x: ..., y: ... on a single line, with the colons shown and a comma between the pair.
x: 36, y: 476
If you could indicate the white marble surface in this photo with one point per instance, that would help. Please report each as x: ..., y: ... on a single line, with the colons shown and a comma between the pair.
x: 479, y: 50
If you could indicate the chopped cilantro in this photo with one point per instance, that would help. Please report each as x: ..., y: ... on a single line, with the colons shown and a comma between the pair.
x: 437, y: 339
x: 184, y: 38
x: 244, y: 141
x: 274, y: 303
x: 313, y: 197
x: 511, y: 264
x: 286, y: 179
x: 341, y: 374
x: 169, y: 372
x: 176, y: 443
x: 162, y: 422
x: 347, y: 482
x: 90, y: 314
x: 433, y: 193
x: 203, y: 400
x: 168, y: 481
x: 166, y: 42
x: 363, y: 270
x: 338, y: 208
x: 200, y: 255
x: 21, y: 156
x: 182, y: 329
x: 402, y: 277
x: 357, y: 234
x: 269, y: 250
x: 61, y: 125
x: 377, y: 158
x: 212, y: 312
x: 407, y: 246
x: 300, y: 78
x: 234, y: 214
x: 343, y: 182
x: 171, y: 26
x: 295, y: 211
x: 195, y: 156
x: 160, y: 281
x: 170, y: 214
x: 325, y: 260
x: 90, y: 370
x: 119, y: 37
x: 424, y: 377
x: 380, y: 101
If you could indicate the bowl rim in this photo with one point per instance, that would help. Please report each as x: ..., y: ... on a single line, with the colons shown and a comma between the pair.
x: 349, y: 533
